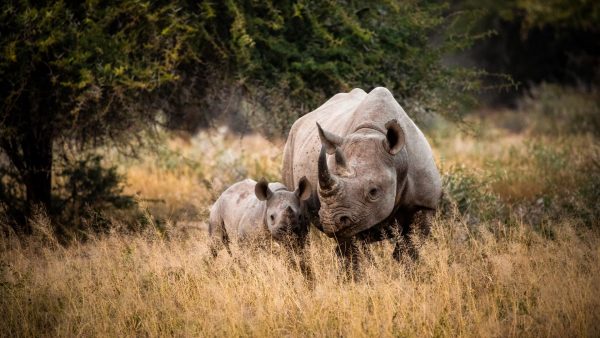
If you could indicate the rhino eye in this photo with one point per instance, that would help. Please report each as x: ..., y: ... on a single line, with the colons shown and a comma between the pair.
x: 272, y: 217
x: 373, y: 193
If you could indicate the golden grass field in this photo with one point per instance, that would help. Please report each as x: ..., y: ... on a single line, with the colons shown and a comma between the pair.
x: 508, y: 254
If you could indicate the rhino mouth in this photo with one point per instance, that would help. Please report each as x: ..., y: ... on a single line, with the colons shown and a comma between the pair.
x: 345, y: 233
x: 288, y: 232
x: 281, y: 235
x: 341, y: 226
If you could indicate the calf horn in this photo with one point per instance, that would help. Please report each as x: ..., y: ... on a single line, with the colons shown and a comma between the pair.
x: 327, y: 181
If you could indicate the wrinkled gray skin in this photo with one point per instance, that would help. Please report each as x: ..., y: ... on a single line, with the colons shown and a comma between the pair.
x: 375, y: 170
x: 255, y: 212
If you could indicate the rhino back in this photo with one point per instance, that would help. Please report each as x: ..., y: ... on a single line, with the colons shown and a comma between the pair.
x: 242, y: 213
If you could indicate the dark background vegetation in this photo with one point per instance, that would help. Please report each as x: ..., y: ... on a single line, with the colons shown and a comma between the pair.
x: 537, y: 41
x: 76, y: 76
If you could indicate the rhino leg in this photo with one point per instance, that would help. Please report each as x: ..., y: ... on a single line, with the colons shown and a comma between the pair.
x: 306, y: 269
x: 297, y: 253
x: 218, y: 234
x: 415, y: 226
x: 351, y: 251
x: 304, y: 263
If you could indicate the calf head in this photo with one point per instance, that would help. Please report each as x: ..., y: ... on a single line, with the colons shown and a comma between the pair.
x: 285, y: 213
x: 358, y: 184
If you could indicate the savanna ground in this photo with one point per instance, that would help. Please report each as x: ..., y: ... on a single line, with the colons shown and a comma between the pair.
x: 514, y: 251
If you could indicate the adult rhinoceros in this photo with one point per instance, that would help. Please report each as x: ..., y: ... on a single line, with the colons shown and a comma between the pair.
x: 381, y: 175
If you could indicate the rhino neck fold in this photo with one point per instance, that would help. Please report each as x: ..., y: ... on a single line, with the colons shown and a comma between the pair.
x: 369, y: 125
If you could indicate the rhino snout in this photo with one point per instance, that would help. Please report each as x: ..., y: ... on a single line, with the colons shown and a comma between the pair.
x: 344, y: 221
x: 337, y: 224
x: 290, y: 225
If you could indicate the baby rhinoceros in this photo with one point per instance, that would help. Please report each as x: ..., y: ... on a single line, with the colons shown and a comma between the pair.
x: 255, y: 212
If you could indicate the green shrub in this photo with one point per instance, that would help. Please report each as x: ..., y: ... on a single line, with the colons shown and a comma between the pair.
x: 470, y: 194
x: 86, y: 194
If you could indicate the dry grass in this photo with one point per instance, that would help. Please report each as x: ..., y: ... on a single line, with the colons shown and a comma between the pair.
x: 469, y: 282
x: 485, y: 278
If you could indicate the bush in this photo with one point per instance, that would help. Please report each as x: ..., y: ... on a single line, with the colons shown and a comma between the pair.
x: 470, y: 195
x: 86, y: 193
x: 541, y: 181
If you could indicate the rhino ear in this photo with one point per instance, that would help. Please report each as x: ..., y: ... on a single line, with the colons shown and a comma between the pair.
x: 262, y: 191
x: 394, y: 137
x: 328, y: 140
x: 304, y: 189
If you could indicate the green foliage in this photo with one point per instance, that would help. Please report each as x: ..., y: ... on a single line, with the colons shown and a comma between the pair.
x: 471, y: 195
x: 83, y: 67
x: 589, y: 192
x: 85, y: 192
x: 583, y: 15
x: 289, y: 57
x: 538, y: 14
x: 85, y: 183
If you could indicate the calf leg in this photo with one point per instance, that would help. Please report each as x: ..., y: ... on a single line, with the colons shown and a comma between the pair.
x: 298, y: 256
x: 304, y: 263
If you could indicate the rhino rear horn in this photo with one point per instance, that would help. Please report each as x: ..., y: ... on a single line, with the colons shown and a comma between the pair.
x: 304, y: 189
x: 329, y: 140
x: 394, y: 137
x: 340, y: 162
x: 262, y: 191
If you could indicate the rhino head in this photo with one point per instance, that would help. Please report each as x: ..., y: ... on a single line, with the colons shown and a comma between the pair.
x: 358, y: 184
x: 285, y: 213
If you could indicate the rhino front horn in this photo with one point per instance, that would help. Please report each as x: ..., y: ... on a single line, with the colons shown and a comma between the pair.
x: 327, y: 181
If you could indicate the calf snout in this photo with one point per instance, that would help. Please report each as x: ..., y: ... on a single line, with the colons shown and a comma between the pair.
x: 289, y: 223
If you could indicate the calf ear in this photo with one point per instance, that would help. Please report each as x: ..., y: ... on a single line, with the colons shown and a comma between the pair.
x: 394, y: 137
x: 304, y: 189
x: 262, y: 191
x: 328, y: 140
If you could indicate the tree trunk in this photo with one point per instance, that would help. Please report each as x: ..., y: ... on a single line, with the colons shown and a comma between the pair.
x: 37, y: 151
x: 31, y: 154
x: 31, y: 147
